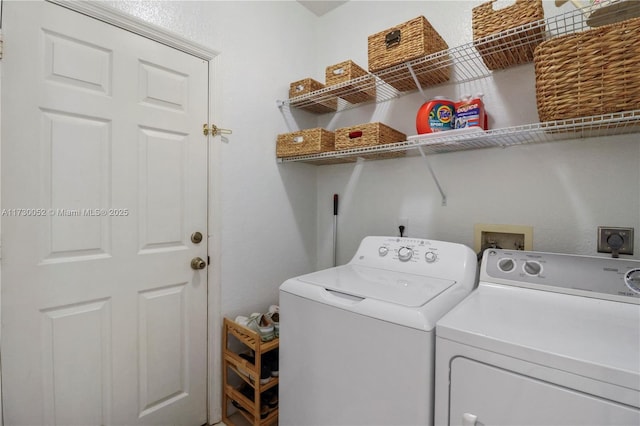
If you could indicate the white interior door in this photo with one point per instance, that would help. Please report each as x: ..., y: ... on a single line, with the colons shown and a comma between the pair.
x: 104, y: 179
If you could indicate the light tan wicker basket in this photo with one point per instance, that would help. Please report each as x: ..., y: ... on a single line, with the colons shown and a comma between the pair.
x: 512, y: 48
x: 369, y: 134
x: 590, y: 73
x: 320, y: 104
x: 304, y: 142
x: 362, y: 91
x: 406, y: 42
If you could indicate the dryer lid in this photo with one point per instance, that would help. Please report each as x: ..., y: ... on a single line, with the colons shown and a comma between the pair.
x: 399, y: 288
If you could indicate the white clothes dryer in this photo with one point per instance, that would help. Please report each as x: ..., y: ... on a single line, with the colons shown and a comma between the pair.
x: 357, y: 341
x: 545, y: 339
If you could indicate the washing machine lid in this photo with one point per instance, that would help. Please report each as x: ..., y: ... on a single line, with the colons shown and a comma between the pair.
x: 399, y: 288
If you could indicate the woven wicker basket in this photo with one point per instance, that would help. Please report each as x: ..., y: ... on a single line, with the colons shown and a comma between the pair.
x: 512, y: 49
x: 591, y: 73
x: 406, y: 42
x: 369, y: 134
x: 362, y: 91
x: 304, y: 142
x: 320, y: 104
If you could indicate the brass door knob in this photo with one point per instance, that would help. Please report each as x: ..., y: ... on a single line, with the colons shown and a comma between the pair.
x: 198, y: 263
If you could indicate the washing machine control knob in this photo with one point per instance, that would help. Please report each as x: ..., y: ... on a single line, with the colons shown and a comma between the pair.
x: 382, y: 251
x: 632, y: 280
x: 531, y: 267
x: 430, y: 257
x: 404, y: 254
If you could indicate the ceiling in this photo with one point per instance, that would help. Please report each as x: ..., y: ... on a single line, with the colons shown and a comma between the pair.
x: 319, y: 8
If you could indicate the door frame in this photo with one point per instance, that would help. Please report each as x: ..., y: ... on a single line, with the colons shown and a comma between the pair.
x: 160, y: 35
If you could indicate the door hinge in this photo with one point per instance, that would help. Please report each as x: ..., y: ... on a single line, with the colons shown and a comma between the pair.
x: 214, y: 130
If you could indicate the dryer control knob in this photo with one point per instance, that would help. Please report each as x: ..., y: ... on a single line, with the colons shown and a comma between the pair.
x: 405, y: 253
x: 506, y: 264
x: 632, y: 280
x: 430, y: 257
x: 532, y: 268
x: 382, y: 251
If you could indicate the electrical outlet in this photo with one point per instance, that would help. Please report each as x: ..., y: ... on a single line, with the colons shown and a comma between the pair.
x: 509, y: 237
x: 610, y: 238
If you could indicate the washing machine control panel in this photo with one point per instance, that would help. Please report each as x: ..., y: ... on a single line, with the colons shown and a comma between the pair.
x: 601, y: 277
x: 418, y: 256
x: 410, y: 249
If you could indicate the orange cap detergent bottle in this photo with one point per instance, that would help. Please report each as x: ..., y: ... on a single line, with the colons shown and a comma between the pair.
x: 435, y: 115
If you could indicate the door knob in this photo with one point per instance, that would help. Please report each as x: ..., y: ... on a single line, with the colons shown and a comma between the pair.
x: 198, y: 263
x: 196, y: 237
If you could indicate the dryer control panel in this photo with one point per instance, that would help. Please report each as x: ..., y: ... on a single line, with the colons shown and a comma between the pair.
x: 599, y: 277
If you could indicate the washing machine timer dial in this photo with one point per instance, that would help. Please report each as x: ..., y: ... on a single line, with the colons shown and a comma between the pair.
x: 632, y: 280
x: 405, y: 254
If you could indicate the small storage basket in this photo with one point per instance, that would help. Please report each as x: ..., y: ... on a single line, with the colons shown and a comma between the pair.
x: 406, y: 42
x: 369, y: 134
x: 512, y: 48
x: 361, y: 91
x: 590, y: 73
x: 305, y: 142
x: 321, y: 103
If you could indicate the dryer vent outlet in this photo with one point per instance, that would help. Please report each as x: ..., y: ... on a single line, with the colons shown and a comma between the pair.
x: 508, y: 237
x: 615, y: 240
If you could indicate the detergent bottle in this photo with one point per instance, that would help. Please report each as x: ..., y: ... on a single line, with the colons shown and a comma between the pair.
x: 469, y: 112
x: 435, y: 115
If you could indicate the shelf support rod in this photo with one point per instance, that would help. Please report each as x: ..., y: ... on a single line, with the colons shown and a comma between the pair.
x: 415, y: 80
x: 285, y: 110
x: 433, y: 175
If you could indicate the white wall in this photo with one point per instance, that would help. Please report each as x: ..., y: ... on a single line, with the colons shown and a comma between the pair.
x: 564, y: 190
x: 276, y: 220
x: 265, y: 213
x: 269, y: 214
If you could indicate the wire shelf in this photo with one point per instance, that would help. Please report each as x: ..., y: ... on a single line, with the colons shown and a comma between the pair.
x: 466, y: 65
x: 438, y: 143
x: 464, y: 60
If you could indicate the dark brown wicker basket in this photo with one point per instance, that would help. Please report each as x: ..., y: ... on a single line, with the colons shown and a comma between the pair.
x: 406, y: 42
x: 510, y: 49
x: 590, y: 73
x: 362, y: 91
x: 304, y: 142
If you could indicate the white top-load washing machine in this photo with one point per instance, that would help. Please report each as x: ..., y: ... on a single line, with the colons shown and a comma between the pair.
x: 545, y: 339
x: 357, y: 341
